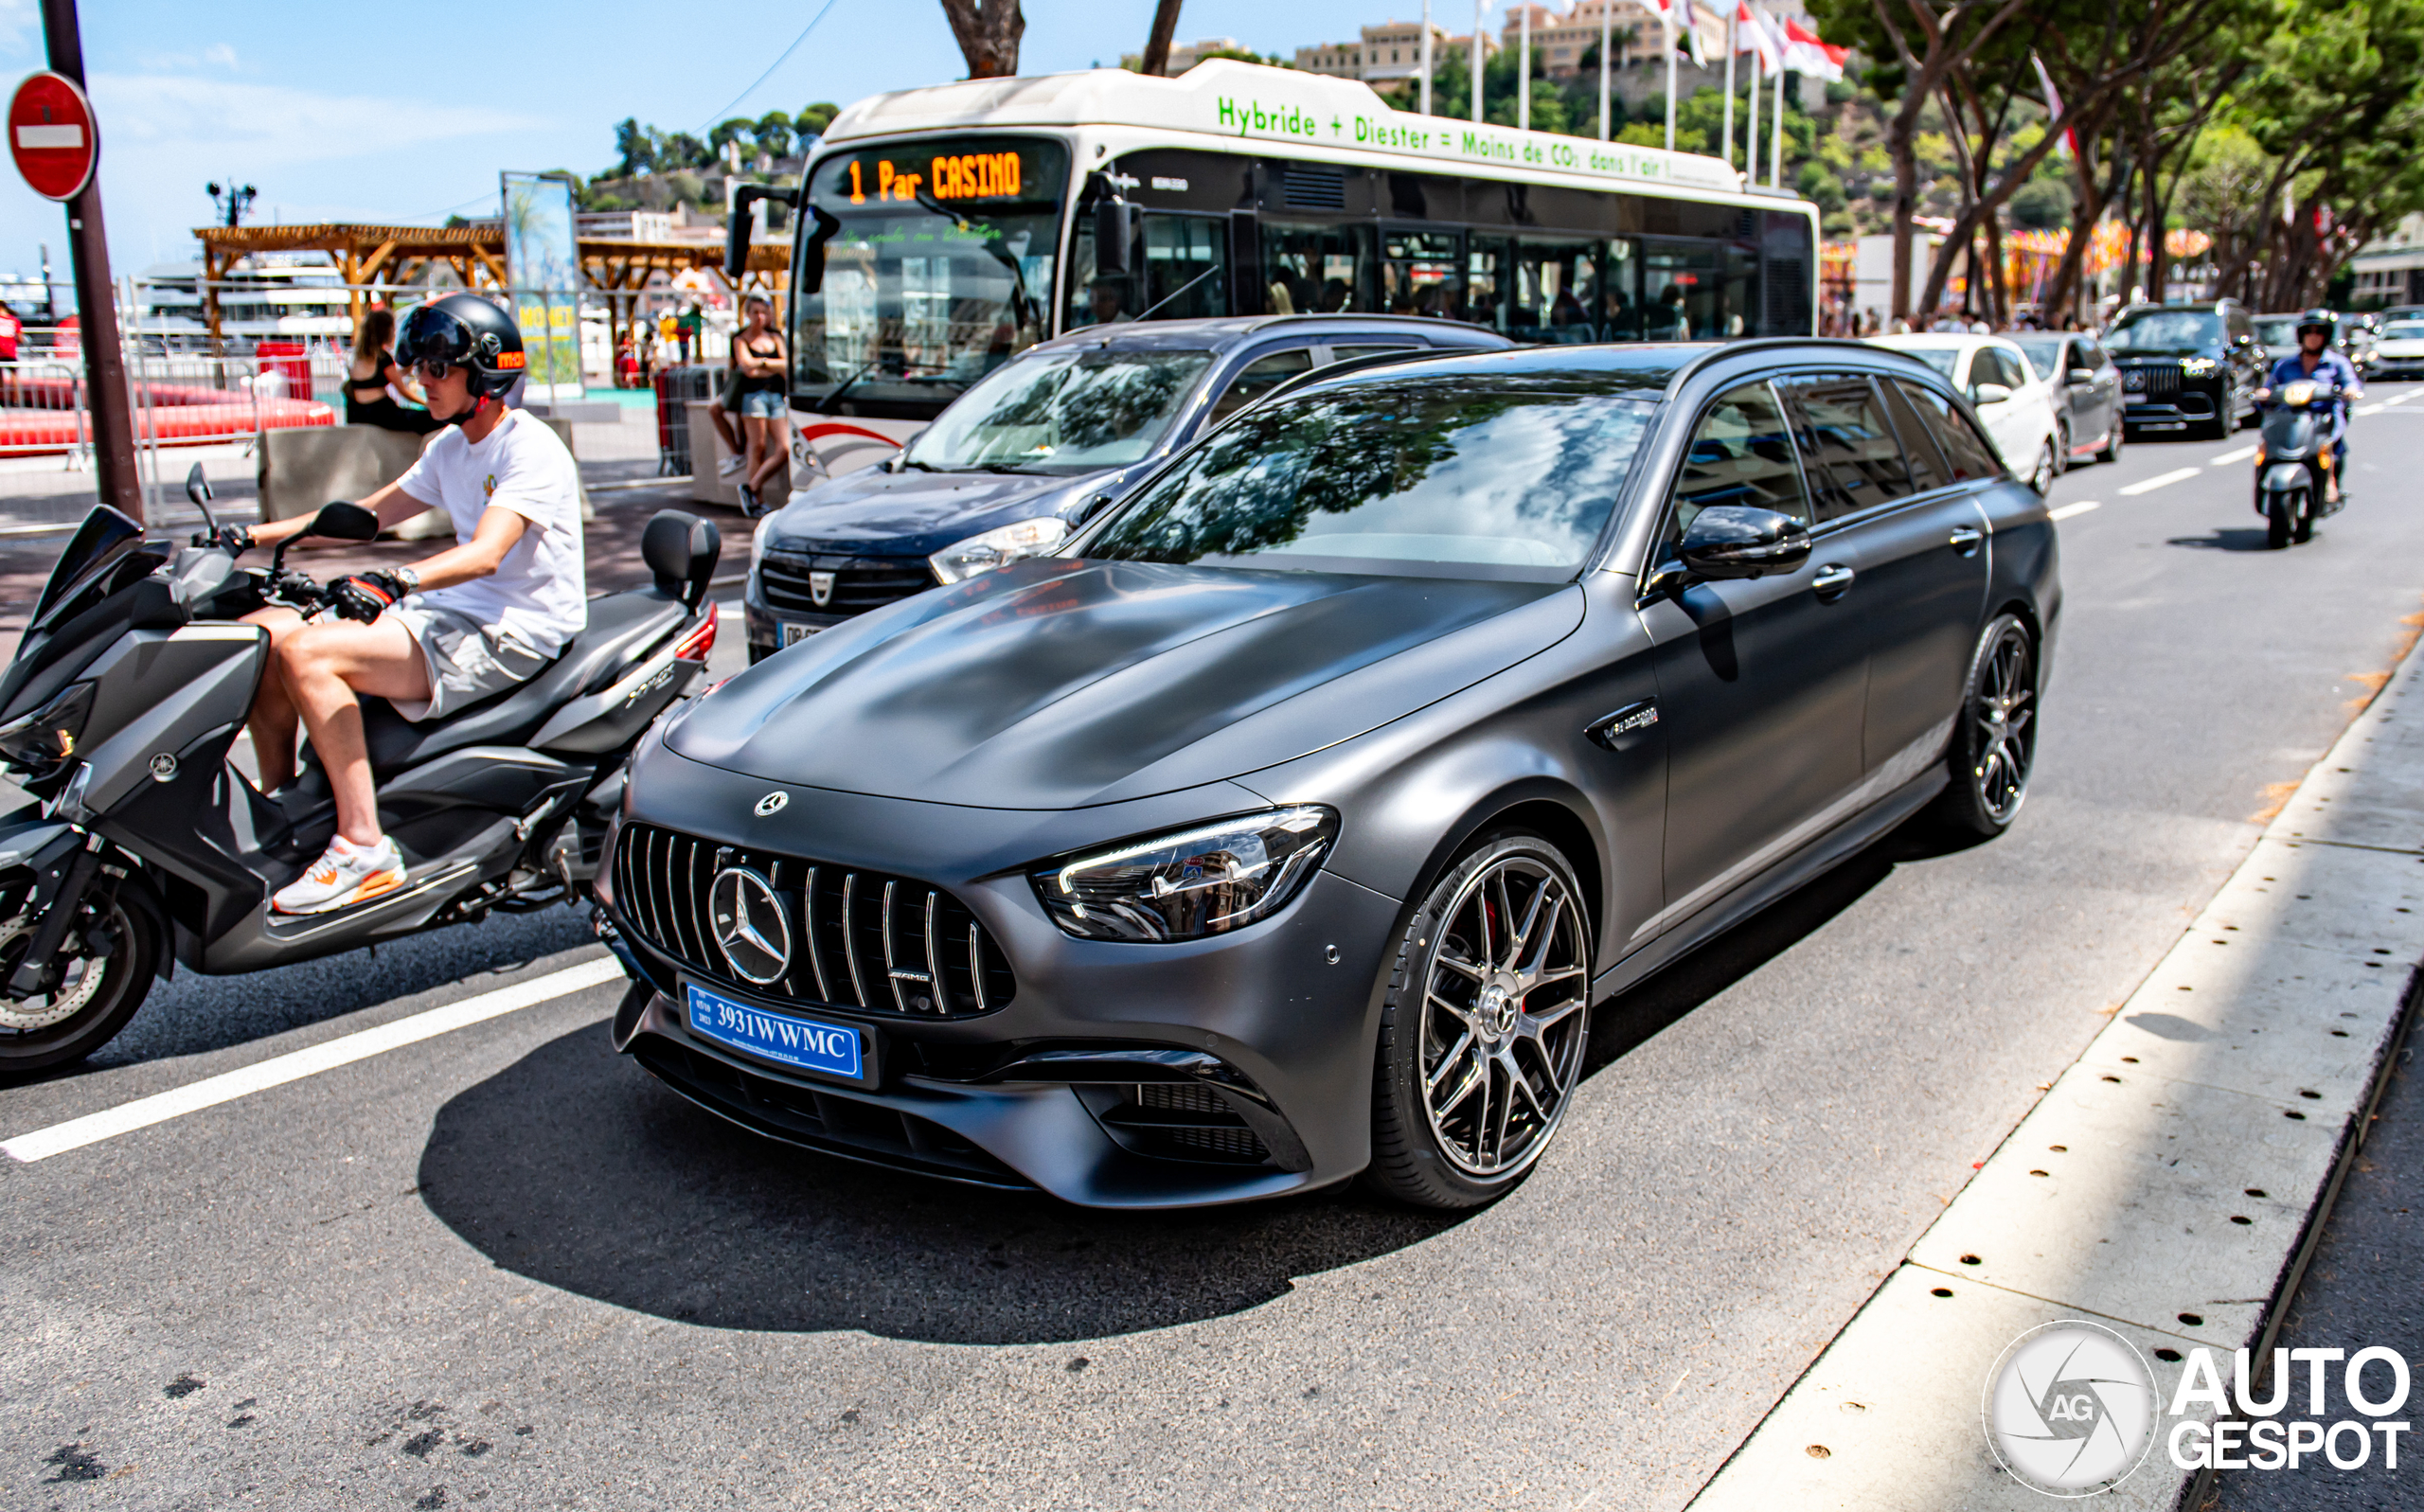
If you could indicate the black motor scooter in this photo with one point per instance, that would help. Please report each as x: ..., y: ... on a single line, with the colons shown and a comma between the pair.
x: 2289, y: 461
x: 144, y: 845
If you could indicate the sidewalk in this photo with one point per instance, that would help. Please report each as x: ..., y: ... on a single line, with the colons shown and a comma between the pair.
x: 2170, y: 1185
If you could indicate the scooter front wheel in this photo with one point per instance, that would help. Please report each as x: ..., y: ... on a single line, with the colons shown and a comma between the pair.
x: 2277, y: 509
x: 101, y: 977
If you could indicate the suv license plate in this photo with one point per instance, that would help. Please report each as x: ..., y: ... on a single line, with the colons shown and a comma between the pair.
x: 837, y: 1050
x: 794, y: 634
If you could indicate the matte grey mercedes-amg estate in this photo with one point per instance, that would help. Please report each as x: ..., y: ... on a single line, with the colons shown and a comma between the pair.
x: 1288, y: 824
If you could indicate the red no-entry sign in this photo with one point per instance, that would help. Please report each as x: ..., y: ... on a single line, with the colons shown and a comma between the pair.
x: 51, y: 136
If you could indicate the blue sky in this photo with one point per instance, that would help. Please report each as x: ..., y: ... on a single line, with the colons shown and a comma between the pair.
x: 344, y: 112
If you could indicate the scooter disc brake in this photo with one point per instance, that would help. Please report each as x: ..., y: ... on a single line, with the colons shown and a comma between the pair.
x: 81, y: 983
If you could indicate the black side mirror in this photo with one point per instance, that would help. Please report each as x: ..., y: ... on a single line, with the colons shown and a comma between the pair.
x: 1094, y: 507
x: 1119, y: 223
x: 198, y: 494
x: 735, y: 230
x: 1738, y: 541
x: 340, y: 521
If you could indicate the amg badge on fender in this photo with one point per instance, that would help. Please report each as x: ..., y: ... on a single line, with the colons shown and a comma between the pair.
x: 1624, y: 722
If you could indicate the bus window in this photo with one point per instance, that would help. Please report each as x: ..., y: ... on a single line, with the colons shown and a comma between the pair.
x: 1187, y: 261
x: 1421, y: 273
x: 1619, y: 312
x: 1683, y: 296
x: 1316, y: 270
x: 1738, y: 313
x: 1486, y: 284
x: 1555, y: 290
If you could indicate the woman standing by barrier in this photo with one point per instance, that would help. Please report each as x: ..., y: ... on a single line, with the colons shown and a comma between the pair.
x: 764, y: 384
x: 374, y: 381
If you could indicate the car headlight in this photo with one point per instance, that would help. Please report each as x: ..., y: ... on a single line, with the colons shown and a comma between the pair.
x: 758, y: 543
x: 2198, y: 365
x: 999, y: 547
x: 1189, y: 883
x: 40, y: 743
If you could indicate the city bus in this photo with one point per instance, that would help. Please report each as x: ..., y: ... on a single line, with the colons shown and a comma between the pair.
x: 941, y: 230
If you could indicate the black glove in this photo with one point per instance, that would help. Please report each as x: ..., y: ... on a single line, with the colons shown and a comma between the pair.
x: 234, y: 539
x: 364, y: 596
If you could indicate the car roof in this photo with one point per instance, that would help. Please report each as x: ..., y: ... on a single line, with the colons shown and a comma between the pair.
x: 1640, y: 367
x: 1222, y: 333
x: 1915, y: 341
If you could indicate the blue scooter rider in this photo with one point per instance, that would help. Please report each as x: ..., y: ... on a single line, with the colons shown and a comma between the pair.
x: 2315, y: 362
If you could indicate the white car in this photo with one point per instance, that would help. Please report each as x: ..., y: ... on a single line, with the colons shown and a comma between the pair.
x: 2017, y: 407
x: 2399, y: 352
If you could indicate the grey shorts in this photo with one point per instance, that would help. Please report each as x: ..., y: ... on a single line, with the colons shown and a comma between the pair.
x: 468, y: 661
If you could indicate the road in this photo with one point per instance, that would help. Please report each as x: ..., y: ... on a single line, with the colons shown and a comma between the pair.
x: 500, y: 1265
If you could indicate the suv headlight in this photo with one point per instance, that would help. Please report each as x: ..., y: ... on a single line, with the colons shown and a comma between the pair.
x: 2198, y: 364
x: 1189, y: 883
x: 40, y: 743
x: 757, y: 543
x: 999, y: 547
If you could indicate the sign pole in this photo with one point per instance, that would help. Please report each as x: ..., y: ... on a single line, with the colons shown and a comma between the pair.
x: 121, y: 486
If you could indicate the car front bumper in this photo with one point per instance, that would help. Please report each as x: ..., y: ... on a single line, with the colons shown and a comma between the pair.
x: 1276, y: 1022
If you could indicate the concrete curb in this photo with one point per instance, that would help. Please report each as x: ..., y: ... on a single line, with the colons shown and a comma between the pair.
x: 2170, y: 1185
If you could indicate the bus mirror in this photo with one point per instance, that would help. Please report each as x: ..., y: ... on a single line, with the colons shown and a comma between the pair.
x: 808, y: 278
x: 739, y: 221
x: 1117, y: 223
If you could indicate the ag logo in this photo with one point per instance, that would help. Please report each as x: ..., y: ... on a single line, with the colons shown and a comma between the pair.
x: 2070, y: 1409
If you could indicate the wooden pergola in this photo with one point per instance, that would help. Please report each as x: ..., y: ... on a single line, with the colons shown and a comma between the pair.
x: 366, y: 255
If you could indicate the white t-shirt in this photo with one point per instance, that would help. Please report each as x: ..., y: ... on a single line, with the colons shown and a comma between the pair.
x: 539, y: 591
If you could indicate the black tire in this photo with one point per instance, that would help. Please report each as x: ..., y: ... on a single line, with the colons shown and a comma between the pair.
x: 1994, y: 736
x: 2277, y: 530
x: 1512, y: 1020
x: 2112, y: 441
x: 2042, y: 477
x: 2302, y: 531
x: 2061, y: 447
x: 102, y: 990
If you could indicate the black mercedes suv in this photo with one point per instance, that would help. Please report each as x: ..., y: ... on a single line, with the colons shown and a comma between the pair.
x: 2192, y: 368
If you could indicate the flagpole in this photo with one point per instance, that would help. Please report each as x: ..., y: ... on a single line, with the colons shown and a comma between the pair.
x: 1607, y: 42
x: 1751, y: 136
x: 1426, y: 57
x: 1729, y: 81
x: 1523, y: 73
x: 1477, y: 7
x: 1668, y: 16
x: 1775, y: 153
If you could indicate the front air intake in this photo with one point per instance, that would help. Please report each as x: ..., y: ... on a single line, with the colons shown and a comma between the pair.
x: 857, y: 939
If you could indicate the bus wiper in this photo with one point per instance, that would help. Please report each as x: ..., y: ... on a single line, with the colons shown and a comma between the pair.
x: 824, y: 406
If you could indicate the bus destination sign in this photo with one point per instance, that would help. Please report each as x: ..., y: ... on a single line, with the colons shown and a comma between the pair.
x: 944, y: 176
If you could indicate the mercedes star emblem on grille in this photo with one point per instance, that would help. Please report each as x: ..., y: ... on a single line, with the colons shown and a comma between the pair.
x: 750, y: 928
x: 772, y: 803
x: 820, y: 588
x: 2133, y: 380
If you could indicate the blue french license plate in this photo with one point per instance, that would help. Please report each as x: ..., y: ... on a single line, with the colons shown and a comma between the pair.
x: 832, y: 1049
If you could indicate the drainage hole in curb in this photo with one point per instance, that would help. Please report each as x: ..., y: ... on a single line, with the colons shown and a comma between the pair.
x: 2170, y: 1356
x: 2060, y: 1149
x: 2109, y: 1078
x: 2305, y: 897
x: 2242, y: 1221
x: 1972, y: 1259
x: 2036, y: 1173
x: 1939, y: 1291
x: 2129, y: 1061
x: 2193, y: 1320
x: 2294, y: 1113
x: 1818, y: 1451
x: 2340, y: 1033
x: 2188, y: 988
x: 2315, y: 1097
x: 2255, y: 1191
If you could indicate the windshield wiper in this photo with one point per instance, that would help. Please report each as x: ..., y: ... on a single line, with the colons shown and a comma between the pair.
x: 824, y: 406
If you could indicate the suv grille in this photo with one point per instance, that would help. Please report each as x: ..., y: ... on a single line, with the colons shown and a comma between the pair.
x: 2160, y: 380
x: 859, y: 939
x: 860, y: 584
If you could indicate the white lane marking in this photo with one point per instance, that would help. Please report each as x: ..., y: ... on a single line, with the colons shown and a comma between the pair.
x: 2225, y: 461
x: 2160, y: 481
x: 279, y: 1070
x: 2069, y: 510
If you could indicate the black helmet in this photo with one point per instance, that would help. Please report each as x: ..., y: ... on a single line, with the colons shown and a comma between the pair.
x: 2322, y: 320
x: 465, y: 330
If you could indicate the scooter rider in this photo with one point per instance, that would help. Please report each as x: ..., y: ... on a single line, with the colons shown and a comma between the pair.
x: 2315, y: 362
x: 458, y: 627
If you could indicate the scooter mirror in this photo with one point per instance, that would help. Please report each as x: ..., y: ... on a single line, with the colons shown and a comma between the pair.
x: 197, y: 487
x: 340, y: 521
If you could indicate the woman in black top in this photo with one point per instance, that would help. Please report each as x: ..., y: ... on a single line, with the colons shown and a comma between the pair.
x: 761, y: 382
x: 368, y: 400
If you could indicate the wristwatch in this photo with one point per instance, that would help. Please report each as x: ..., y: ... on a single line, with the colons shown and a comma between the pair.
x: 410, y: 578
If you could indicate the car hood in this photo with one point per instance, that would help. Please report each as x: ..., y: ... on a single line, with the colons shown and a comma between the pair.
x: 873, y: 512
x: 1056, y: 684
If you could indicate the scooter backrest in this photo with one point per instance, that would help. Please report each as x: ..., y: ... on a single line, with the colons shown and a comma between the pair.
x: 681, y: 549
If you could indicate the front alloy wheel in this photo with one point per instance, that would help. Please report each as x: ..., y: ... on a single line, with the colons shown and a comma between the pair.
x: 1994, y: 739
x: 1482, y: 1038
x: 98, y: 979
x: 2043, y: 478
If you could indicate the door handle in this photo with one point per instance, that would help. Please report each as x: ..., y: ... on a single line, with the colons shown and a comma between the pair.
x: 1964, y: 540
x: 1832, y: 581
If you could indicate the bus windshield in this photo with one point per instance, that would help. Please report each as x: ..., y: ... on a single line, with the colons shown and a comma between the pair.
x: 936, y: 267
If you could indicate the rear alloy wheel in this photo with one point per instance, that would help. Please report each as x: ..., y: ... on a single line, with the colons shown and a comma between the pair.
x: 101, y: 974
x: 2113, y: 439
x: 1482, y: 1038
x: 1994, y: 738
x: 2061, y: 447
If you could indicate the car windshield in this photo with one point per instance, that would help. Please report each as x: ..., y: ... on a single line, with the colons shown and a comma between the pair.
x: 2174, y: 332
x: 2277, y: 331
x: 1061, y: 412
x: 1444, y: 476
x: 1943, y: 359
x: 2044, y: 352
x: 2404, y: 330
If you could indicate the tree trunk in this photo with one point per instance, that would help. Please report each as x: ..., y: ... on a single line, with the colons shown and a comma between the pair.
x: 987, y: 36
x: 1157, y: 47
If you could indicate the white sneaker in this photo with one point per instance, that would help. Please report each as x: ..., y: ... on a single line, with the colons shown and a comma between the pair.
x: 345, y: 874
x: 730, y: 465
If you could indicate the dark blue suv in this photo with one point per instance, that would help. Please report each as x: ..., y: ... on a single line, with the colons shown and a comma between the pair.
x: 1010, y: 467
